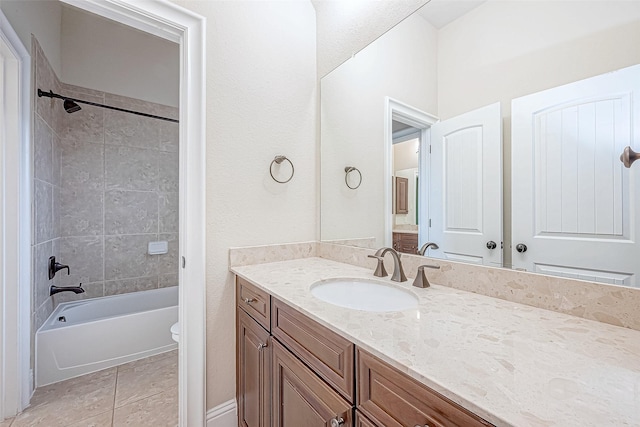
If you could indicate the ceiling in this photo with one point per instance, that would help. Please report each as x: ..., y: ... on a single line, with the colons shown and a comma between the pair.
x: 442, y: 12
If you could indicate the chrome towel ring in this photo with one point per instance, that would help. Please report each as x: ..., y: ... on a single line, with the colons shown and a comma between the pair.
x: 278, y: 160
x: 347, y: 171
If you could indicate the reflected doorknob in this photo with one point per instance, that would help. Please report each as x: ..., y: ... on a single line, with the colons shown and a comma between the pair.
x: 521, y: 247
x: 491, y: 244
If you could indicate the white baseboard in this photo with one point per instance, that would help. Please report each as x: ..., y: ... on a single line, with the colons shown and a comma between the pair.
x: 223, y: 415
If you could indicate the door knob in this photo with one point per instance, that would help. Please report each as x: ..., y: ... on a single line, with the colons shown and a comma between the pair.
x: 337, y: 422
x: 521, y: 247
x: 491, y: 244
x: 629, y: 156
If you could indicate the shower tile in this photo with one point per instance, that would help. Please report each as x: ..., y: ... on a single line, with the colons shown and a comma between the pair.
x: 127, y: 257
x: 41, y: 282
x: 84, y: 257
x: 138, y: 381
x: 86, y: 125
x: 115, y: 287
x: 43, y: 201
x: 102, y: 420
x: 168, y: 263
x: 168, y: 212
x: 91, y: 290
x: 82, y: 92
x: 169, y: 136
x: 57, y: 208
x: 42, y: 313
x: 82, y: 165
x: 57, y: 159
x: 133, y: 131
x: 81, y: 212
x: 43, y: 151
x: 129, y: 168
x: 168, y: 171
x: 46, y: 80
x: 130, y: 212
x: 68, y: 402
x: 167, y: 280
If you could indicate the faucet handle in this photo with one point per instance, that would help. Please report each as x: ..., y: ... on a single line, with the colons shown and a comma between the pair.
x: 380, y: 270
x: 421, y: 280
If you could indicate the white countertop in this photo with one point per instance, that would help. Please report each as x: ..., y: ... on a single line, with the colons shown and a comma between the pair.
x: 512, y: 364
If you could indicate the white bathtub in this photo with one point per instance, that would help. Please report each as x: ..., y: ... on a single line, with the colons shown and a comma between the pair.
x: 87, y: 336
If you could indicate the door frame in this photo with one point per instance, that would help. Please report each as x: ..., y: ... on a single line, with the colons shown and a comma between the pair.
x: 396, y: 110
x: 15, y: 225
x: 175, y: 23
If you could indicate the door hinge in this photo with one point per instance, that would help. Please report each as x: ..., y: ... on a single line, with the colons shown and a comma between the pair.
x: 429, y: 148
x: 184, y: 262
x: 429, y: 222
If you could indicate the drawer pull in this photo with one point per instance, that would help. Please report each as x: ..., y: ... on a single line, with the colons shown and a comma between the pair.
x: 337, y: 422
x: 261, y: 346
x: 249, y: 300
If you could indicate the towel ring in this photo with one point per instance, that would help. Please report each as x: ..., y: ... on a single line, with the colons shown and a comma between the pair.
x: 278, y: 160
x: 347, y: 171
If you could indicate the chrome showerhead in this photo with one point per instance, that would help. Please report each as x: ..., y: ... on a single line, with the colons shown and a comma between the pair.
x: 70, y: 106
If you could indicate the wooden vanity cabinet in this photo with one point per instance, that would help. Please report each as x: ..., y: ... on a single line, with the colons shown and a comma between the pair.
x: 390, y: 398
x: 405, y: 242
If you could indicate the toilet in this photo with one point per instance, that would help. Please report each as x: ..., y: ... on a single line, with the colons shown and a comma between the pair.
x: 175, y: 332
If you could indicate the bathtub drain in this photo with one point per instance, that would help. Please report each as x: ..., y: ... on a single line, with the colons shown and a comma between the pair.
x: 62, y: 319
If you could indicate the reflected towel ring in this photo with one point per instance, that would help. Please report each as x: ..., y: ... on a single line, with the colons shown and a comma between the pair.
x: 347, y: 171
x: 278, y: 160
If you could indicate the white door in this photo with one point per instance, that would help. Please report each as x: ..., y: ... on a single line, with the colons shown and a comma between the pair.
x: 575, y: 207
x: 466, y: 187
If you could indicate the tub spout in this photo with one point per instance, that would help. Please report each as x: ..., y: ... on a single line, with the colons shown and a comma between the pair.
x: 53, y: 289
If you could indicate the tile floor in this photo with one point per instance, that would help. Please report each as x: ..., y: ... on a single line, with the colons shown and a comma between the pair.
x: 138, y: 394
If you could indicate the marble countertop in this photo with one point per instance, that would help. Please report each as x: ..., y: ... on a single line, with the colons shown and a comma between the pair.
x: 512, y: 364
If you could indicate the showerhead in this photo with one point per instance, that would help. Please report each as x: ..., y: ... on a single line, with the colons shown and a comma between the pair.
x: 70, y: 106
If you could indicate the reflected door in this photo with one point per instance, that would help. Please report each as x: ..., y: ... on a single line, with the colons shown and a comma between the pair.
x: 466, y: 187
x: 575, y: 206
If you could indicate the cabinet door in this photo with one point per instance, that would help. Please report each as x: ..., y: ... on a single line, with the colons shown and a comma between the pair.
x: 301, y: 398
x: 253, y: 372
x: 402, y: 195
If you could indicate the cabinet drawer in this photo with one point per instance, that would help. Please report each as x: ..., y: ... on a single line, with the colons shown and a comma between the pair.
x: 390, y: 398
x: 326, y: 352
x: 254, y: 301
x: 302, y: 399
x: 362, y: 421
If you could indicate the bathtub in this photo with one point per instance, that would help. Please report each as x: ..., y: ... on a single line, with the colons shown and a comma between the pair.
x: 89, y: 335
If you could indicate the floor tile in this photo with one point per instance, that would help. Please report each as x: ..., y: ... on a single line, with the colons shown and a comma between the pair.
x: 6, y: 423
x: 68, y: 402
x: 138, y: 380
x: 146, y: 360
x: 102, y: 420
x: 156, y: 411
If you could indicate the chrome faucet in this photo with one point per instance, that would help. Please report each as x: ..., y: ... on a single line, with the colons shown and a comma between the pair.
x: 398, y: 272
x: 421, y: 280
x: 426, y: 246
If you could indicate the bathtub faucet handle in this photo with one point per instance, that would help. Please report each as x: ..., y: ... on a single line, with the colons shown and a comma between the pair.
x: 54, y: 267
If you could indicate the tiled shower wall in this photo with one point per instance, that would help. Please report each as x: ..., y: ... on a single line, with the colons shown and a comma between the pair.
x: 106, y: 184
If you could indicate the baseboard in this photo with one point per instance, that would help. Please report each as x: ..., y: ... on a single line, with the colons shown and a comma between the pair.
x: 223, y: 415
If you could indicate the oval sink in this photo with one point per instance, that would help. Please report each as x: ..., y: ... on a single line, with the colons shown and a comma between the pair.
x: 364, y: 295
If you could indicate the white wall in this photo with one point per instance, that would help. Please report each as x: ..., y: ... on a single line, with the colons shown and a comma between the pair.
x: 346, y: 27
x: 261, y: 100
x: 43, y: 18
x: 506, y: 49
x: 353, y: 124
x: 101, y: 54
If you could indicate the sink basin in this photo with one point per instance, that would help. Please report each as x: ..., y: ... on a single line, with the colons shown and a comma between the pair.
x: 360, y: 294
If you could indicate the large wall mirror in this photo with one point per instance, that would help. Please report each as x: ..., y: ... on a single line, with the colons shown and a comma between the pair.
x: 490, y: 132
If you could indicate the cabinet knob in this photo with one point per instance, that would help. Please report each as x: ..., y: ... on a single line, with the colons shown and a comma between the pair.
x: 337, y: 422
x: 418, y: 425
x: 249, y: 300
x: 262, y: 345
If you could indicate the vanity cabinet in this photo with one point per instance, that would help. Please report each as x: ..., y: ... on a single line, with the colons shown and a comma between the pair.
x: 295, y: 372
x: 405, y: 242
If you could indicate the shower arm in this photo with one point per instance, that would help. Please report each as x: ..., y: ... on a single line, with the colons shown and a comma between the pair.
x: 50, y: 94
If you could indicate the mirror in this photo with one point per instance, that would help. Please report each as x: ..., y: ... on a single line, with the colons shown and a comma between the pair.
x: 445, y: 62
